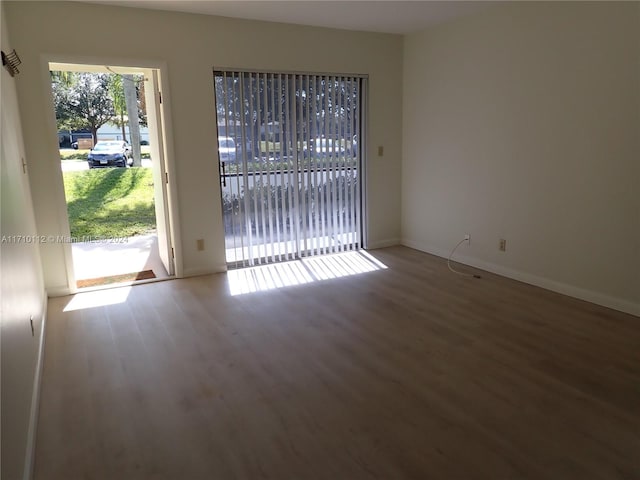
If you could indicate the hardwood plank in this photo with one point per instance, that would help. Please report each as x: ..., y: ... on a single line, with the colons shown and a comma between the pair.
x: 407, y: 372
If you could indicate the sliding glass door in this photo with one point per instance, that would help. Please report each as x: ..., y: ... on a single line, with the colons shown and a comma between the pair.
x: 290, y: 164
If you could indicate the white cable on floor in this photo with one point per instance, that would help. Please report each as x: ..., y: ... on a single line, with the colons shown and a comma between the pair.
x: 453, y: 269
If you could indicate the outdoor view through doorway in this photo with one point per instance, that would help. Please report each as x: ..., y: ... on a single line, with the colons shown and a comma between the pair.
x: 290, y: 158
x: 109, y: 124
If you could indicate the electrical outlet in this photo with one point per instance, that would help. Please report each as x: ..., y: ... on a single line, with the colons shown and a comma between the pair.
x: 467, y: 239
x: 503, y: 245
x: 200, y: 244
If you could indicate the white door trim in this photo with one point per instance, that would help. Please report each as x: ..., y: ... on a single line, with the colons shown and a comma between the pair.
x: 124, y: 65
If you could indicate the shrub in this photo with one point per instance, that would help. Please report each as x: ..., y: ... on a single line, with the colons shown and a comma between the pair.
x: 273, y: 203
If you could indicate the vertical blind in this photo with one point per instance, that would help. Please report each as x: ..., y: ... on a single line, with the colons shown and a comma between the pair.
x: 290, y: 164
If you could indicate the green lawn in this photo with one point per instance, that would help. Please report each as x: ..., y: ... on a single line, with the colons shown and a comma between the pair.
x: 110, y: 202
x: 68, y: 154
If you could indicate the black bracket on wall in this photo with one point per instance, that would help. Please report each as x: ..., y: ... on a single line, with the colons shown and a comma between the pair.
x: 11, y: 61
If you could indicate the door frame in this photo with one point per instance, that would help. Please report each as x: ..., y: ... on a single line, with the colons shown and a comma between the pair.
x: 164, y: 130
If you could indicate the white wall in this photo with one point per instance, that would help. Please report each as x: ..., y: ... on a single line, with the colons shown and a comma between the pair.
x: 523, y: 122
x: 22, y: 291
x: 190, y: 46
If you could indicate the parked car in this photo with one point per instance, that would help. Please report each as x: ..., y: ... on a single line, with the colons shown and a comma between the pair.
x: 227, y: 149
x: 110, y: 154
x: 322, y: 147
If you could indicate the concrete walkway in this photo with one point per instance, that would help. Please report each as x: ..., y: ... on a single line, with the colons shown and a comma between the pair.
x: 94, y: 260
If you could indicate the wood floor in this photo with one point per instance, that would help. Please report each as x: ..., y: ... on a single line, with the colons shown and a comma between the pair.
x: 410, y: 372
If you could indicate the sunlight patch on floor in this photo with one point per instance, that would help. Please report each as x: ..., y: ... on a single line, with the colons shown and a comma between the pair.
x: 98, y: 298
x: 268, y: 277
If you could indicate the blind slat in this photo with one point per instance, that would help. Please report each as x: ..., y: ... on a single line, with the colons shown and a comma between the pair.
x: 294, y: 188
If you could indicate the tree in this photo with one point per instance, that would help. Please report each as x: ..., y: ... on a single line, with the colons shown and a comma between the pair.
x: 64, y: 77
x: 83, y: 102
x: 142, y: 103
x: 119, y: 105
x: 132, y: 114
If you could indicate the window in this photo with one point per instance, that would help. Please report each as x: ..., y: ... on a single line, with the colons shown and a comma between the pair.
x: 292, y: 186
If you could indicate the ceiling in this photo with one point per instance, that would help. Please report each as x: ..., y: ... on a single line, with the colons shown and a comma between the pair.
x: 388, y: 16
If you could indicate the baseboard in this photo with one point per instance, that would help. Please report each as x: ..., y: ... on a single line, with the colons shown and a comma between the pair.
x: 548, y: 284
x: 58, y: 291
x: 35, y: 398
x: 389, y: 242
x: 196, y: 272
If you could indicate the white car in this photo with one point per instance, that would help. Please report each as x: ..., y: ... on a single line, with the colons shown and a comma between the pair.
x: 227, y: 149
x: 322, y: 147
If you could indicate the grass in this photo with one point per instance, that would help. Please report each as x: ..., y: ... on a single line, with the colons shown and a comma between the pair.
x: 287, y: 165
x: 70, y: 154
x: 110, y: 202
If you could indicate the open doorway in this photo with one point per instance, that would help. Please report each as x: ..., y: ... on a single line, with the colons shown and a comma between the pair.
x: 112, y: 156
